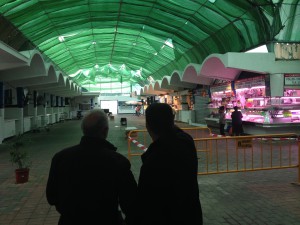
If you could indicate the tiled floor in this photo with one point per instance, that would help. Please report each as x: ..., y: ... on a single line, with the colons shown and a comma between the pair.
x: 263, y: 197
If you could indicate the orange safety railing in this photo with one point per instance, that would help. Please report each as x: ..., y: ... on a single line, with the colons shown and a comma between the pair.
x: 249, y: 153
x: 139, y: 140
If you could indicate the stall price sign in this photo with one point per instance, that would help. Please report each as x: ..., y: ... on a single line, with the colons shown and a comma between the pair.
x: 244, y: 143
x: 291, y: 79
x: 250, y: 82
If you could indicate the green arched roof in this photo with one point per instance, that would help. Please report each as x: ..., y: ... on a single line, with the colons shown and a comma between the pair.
x: 104, y: 41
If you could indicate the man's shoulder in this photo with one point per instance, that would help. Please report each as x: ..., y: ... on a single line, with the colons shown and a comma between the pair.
x: 108, y: 155
x: 113, y: 157
x: 184, y: 136
x: 174, y: 140
x: 118, y: 156
x: 68, y: 150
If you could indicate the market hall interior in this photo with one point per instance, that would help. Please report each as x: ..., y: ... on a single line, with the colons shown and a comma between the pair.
x: 259, y: 197
x: 60, y: 60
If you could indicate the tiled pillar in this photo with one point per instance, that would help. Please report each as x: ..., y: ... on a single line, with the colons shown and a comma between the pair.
x: 1, y: 112
x: 62, y: 101
x: 20, y: 111
x: 51, y: 101
x: 45, y: 120
x: 35, y: 119
x: 57, y: 109
x: 52, y: 110
x: 57, y: 101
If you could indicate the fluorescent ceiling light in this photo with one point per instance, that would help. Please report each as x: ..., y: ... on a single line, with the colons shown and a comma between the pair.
x: 212, y: 1
x: 86, y: 72
x: 150, y: 79
x: 169, y: 43
x: 75, y: 74
x: 138, y: 73
x: 122, y: 67
x: 61, y: 38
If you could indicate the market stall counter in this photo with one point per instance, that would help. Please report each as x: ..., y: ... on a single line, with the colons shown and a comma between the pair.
x: 255, y: 128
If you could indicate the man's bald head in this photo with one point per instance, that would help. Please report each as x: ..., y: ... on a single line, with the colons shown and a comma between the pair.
x: 95, y: 124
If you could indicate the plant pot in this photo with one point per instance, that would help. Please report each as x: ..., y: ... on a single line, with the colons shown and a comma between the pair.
x: 22, y: 175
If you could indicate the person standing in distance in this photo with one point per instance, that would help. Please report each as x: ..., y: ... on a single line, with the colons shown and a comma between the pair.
x: 88, y: 182
x: 236, y: 122
x: 168, y: 192
x: 222, y: 119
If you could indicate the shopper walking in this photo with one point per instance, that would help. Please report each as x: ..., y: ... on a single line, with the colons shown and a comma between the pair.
x: 236, y: 116
x: 138, y: 110
x: 89, y: 181
x: 168, y: 190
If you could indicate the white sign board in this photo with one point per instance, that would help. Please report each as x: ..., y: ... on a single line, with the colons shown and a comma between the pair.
x: 292, y: 79
x: 250, y: 82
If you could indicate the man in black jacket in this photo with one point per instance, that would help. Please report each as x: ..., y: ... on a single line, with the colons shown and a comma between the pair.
x: 168, y: 191
x: 89, y: 181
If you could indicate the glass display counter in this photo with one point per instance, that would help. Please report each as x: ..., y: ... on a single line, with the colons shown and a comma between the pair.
x: 262, y: 115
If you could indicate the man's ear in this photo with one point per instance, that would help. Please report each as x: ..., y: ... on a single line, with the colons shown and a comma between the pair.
x: 105, y: 132
x: 152, y: 135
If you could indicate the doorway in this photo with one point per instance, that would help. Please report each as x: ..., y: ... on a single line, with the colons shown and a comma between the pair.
x: 111, y: 105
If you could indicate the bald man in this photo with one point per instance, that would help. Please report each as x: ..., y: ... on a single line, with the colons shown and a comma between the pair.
x: 88, y: 182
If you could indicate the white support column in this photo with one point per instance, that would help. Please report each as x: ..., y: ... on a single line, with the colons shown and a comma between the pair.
x: 276, y: 84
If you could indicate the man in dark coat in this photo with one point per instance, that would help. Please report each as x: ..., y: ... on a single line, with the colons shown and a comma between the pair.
x: 237, y: 127
x: 168, y: 191
x: 89, y: 181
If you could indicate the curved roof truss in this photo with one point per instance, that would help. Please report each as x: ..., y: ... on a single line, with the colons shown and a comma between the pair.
x: 131, y: 40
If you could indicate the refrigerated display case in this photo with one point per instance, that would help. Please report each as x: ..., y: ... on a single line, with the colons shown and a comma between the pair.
x: 263, y: 114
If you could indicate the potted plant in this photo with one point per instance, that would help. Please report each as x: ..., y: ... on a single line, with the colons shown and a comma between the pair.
x: 20, y: 158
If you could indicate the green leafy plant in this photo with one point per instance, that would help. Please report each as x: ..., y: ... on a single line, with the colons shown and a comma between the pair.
x: 18, y: 156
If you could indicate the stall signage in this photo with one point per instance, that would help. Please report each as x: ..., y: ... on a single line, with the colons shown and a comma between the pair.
x: 244, y: 143
x: 287, y: 51
x: 250, y: 82
x: 291, y: 79
x: 221, y: 87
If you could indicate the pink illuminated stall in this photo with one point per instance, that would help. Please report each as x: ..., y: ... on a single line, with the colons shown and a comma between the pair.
x: 265, y: 88
x: 263, y: 113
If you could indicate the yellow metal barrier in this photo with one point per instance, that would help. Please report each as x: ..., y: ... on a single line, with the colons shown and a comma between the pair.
x: 139, y: 140
x: 249, y: 153
x: 218, y: 155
